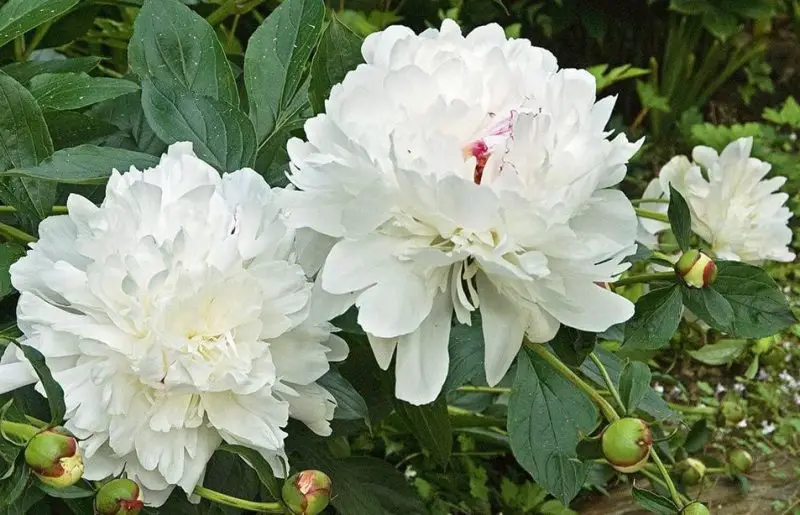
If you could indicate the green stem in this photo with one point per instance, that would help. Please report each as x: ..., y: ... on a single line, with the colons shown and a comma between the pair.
x: 663, y: 257
x: 38, y: 36
x: 605, y: 407
x: 22, y: 431
x: 644, y: 278
x: 694, y: 410
x: 235, y: 502
x: 652, y: 215
x: 15, y: 234
x: 484, y: 389
x: 655, y: 479
x: 57, y: 210
x: 607, y: 379
x: 232, y: 7
x: 638, y: 201
x: 673, y: 492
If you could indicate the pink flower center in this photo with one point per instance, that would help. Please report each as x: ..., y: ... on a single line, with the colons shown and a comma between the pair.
x: 494, y: 137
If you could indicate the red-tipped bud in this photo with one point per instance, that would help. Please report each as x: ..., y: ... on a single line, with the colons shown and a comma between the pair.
x: 695, y: 508
x: 626, y: 444
x: 54, y: 457
x: 696, y: 269
x: 740, y: 460
x: 692, y: 471
x: 307, y: 492
x: 118, y: 497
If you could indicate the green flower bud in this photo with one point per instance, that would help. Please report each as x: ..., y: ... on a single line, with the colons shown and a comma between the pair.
x: 733, y: 409
x: 763, y: 345
x: 693, y: 471
x: 695, y: 508
x: 626, y: 444
x: 775, y: 357
x: 118, y: 497
x: 740, y: 460
x: 54, y: 457
x: 696, y: 269
x: 307, y: 492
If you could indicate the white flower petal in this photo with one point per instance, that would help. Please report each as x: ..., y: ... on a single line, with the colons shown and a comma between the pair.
x: 504, y: 325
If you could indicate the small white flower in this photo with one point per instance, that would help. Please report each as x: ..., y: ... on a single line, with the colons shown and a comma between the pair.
x: 410, y: 472
x: 742, y: 424
x: 721, y: 389
x: 455, y: 173
x: 658, y: 388
x: 763, y: 375
x: 739, y: 387
x: 737, y: 212
x: 797, y: 399
x: 174, y: 318
x: 767, y: 427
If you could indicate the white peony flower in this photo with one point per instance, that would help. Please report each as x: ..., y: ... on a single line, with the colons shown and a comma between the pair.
x: 456, y: 173
x: 734, y: 210
x: 174, y: 318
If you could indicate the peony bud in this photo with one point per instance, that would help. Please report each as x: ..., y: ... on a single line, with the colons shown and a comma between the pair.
x: 693, y: 471
x: 54, y: 457
x: 118, y: 497
x: 307, y: 492
x: 695, y: 508
x: 763, y: 345
x: 626, y: 444
x: 696, y: 269
x: 740, y: 460
x: 733, y: 409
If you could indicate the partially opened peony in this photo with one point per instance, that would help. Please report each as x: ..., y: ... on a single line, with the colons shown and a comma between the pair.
x: 734, y: 208
x: 174, y: 318
x: 459, y: 173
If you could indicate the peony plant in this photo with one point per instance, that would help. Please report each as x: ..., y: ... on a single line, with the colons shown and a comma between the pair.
x: 448, y: 215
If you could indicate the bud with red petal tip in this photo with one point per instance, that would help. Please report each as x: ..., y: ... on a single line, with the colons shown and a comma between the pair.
x: 118, y: 497
x: 740, y: 460
x: 696, y: 269
x: 626, y: 444
x: 692, y: 471
x: 307, y: 492
x: 54, y: 457
x: 695, y: 508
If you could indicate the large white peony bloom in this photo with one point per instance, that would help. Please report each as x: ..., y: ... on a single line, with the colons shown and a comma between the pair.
x: 174, y: 318
x: 733, y: 209
x: 455, y: 173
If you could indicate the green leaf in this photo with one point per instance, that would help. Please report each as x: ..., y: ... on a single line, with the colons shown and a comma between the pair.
x: 634, y: 383
x: 720, y: 353
x: 24, y: 141
x: 63, y: 91
x: 227, y: 473
x: 656, y: 319
x: 652, y: 403
x: 720, y: 23
x: 276, y: 59
x: 222, y: 135
x: 70, y: 129
x: 545, y: 415
x: 9, y: 254
x: 466, y: 355
x: 680, y: 218
x: 256, y: 461
x: 19, y: 16
x: 171, y: 43
x: 85, y: 164
x: 349, y: 403
x: 339, y: 52
x: 572, y: 345
x: 752, y: 370
x: 788, y: 115
x: 697, y: 437
x: 52, y: 390
x: 26, y: 503
x: 650, y: 98
x: 708, y: 304
x: 126, y: 113
x: 12, y: 488
x: 71, y: 492
x: 430, y: 425
x: 759, y: 307
x: 605, y: 78
x: 654, y: 503
x: 23, y: 72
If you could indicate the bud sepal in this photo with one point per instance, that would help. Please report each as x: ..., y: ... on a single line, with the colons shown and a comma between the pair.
x: 740, y: 460
x: 692, y: 471
x: 307, y: 492
x: 118, y: 497
x: 695, y: 508
x: 626, y: 444
x: 54, y: 457
x: 696, y: 269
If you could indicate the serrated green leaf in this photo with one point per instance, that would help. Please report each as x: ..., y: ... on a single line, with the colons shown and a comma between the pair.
x: 720, y: 353
x: 276, y: 60
x: 654, y: 503
x: 788, y: 115
x: 256, y: 461
x: 339, y: 52
x: 19, y: 16
x: 680, y: 218
x: 85, y: 164
x: 24, y: 72
x: 545, y: 415
x: 655, y: 320
x: 171, y: 43
x: 430, y: 425
x: 759, y: 307
x: 222, y: 135
x: 53, y: 390
x: 350, y: 405
x: 24, y: 141
x: 708, y: 304
x: 64, y: 91
x: 634, y: 383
